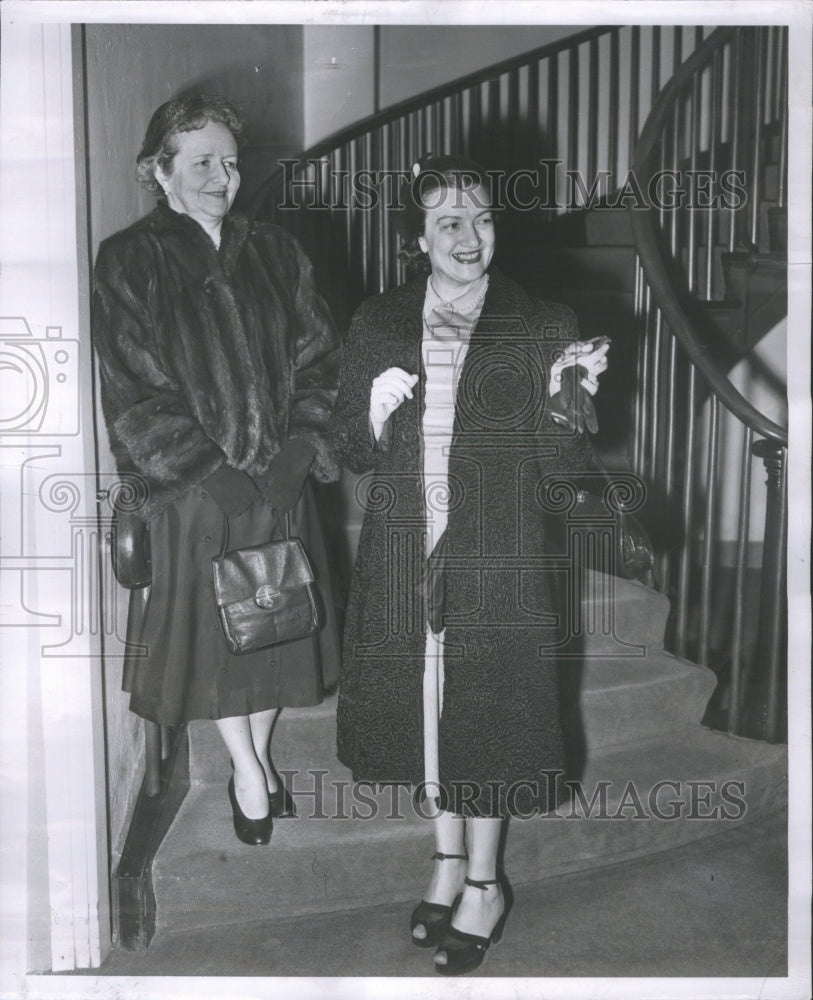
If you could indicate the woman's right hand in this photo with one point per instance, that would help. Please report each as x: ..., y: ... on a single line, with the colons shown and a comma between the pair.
x: 388, y: 391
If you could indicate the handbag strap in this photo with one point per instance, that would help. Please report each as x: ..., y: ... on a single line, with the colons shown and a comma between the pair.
x: 224, y: 548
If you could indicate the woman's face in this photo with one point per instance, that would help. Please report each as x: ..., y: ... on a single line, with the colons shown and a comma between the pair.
x: 204, y: 177
x: 458, y: 237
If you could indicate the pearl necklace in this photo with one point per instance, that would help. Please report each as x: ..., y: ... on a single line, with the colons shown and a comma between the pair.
x: 451, y: 305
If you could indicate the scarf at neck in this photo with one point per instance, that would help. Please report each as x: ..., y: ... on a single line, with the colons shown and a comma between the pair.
x: 455, y: 319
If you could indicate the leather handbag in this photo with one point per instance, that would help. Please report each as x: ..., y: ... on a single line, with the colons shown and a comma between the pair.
x: 633, y: 552
x: 130, y: 550
x: 266, y: 594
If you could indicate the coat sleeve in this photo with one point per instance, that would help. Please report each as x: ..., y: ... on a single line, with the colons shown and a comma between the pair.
x: 152, y: 431
x: 352, y: 435
x: 316, y: 372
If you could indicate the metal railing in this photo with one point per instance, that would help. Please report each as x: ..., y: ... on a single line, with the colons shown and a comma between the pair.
x: 719, y: 113
x: 577, y: 104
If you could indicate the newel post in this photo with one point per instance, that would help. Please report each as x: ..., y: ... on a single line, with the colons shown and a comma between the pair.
x: 772, y: 597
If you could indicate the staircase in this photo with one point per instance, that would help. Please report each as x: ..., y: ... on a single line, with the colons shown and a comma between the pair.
x: 647, y: 775
x: 632, y: 712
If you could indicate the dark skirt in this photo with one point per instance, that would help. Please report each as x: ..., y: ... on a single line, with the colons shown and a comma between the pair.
x: 183, y: 669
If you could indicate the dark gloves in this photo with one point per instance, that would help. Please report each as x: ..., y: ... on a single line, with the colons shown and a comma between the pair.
x: 573, y: 405
x: 281, y: 484
x: 232, y: 490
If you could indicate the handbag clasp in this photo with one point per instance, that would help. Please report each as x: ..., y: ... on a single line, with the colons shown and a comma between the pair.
x: 266, y: 597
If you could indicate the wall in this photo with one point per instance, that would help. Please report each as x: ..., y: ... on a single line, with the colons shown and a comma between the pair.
x: 260, y: 69
x: 339, y: 65
x: 338, y: 79
x: 415, y: 59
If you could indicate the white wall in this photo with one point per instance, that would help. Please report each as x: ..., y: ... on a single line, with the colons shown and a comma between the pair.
x: 53, y: 866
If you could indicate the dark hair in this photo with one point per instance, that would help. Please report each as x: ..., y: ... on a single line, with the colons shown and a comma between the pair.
x: 185, y: 113
x: 431, y: 177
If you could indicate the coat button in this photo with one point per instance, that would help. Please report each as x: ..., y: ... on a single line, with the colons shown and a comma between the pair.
x: 207, y: 538
x: 204, y: 494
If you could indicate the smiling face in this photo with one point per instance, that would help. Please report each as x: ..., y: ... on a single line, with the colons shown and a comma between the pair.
x: 458, y: 237
x: 204, y: 177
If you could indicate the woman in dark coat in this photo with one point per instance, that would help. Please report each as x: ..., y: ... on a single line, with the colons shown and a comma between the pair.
x: 219, y: 368
x: 449, y: 404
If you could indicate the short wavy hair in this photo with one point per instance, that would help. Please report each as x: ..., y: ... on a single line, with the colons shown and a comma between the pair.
x: 185, y: 113
x: 430, y: 176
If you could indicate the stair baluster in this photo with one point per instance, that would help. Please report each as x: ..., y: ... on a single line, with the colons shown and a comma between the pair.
x: 733, y: 68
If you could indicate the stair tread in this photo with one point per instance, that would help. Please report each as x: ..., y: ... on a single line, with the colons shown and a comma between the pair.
x: 605, y: 673
x: 203, y: 875
x: 692, y: 753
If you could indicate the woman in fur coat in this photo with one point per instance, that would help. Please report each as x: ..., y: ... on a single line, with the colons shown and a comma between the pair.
x: 219, y: 368
x: 450, y: 405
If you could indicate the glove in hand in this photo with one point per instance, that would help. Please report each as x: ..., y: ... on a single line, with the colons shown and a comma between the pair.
x: 573, y: 405
x: 232, y: 490
x: 281, y: 485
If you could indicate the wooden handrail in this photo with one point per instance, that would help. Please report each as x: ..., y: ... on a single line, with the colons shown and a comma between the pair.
x: 666, y: 295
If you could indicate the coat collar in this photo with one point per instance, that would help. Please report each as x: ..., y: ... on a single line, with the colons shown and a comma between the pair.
x: 192, y: 244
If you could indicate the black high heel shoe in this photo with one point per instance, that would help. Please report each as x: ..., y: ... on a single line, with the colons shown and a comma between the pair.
x: 250, y: 831
x: 435, y: 917
x: 282, y: 805
x: 465, y: 952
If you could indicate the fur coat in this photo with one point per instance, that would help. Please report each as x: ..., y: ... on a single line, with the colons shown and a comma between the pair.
x: 500, y: 718
x: 210, y: 357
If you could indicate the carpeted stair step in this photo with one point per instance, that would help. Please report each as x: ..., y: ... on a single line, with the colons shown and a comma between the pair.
x: 618, y: 701
x: 619, y: 616
x: 635, y: 800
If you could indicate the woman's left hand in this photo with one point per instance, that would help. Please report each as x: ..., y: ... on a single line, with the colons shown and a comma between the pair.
x: 281, y: 485
x: 591, y: 355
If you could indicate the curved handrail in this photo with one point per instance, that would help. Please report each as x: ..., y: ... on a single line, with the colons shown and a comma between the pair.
x: 410, y: 104
x: 645, y: 235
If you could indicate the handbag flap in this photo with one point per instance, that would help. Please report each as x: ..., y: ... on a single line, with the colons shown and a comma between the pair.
x: 275, y: 566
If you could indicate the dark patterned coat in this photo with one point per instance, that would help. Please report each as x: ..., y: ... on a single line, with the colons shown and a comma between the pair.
x: 208, y: 357
x: 500, y: 718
